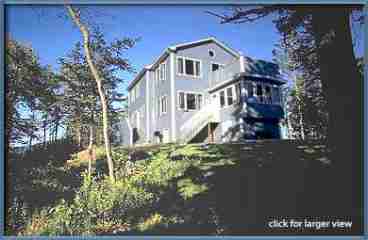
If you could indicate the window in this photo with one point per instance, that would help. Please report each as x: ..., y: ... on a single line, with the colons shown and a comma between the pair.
x: 189, y: 101
x: 250, y: 89
x: 277, y: 96
x: 222, y: 98
x: 157, y: 74
x: 199, y: 101
x: 215, y: 67
x: 181, y: 100
x: 268, y: 96
x: 230, y: 99
x: 162, y: 71
x: 189, y: 67
x: 211, y: 53
x: 197, y: 69
x: 159, y: 107
x: 180, y: 66
x: 163, y: 105
x: 259, y: 93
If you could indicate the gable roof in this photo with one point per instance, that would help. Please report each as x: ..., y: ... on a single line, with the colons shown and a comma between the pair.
x: 204, y: 41
x: 177, y: 47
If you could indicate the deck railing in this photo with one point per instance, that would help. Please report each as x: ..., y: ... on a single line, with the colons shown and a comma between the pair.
x: 208, y: 113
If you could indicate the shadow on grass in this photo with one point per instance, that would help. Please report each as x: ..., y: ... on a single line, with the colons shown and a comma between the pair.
x: 38, y: 178
x: 242, y: 187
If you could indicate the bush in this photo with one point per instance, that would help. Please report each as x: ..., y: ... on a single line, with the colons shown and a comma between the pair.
x: 97, y: 204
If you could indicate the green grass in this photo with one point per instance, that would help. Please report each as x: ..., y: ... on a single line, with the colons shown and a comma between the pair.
x: 193, y: 189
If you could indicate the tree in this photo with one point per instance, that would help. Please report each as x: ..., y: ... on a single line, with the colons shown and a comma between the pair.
x: 27, y: 88
x: 102, y: 59
x: 314, y: 35
x: 304, y: 103
x: 321, y: 44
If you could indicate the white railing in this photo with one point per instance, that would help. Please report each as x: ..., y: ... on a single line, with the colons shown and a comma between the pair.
x: 208, y: 113
x: 225, y: 73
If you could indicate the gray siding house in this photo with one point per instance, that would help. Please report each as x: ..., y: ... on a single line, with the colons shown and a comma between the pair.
x: 203, y: 91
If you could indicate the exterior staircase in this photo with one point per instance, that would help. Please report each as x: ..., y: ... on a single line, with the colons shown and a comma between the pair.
x: 209, y: 113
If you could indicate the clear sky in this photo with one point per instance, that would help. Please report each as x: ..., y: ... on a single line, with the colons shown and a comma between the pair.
x: 52, y: 34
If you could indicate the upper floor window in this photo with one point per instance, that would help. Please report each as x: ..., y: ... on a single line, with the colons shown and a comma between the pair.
x: 277, y: 95
x: 264, y: 93
x: 250, y: 89
x: 162, y: 71
x: 216, y: 66
x: 268, y: 96
x: 188, y: 67
x: 211, y: 53
x: 157, y: 74
x: 259, y: 93
x: 189, y: 101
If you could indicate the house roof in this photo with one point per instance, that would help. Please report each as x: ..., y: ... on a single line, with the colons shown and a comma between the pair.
x: 203, y: 41
x: 177, y: 47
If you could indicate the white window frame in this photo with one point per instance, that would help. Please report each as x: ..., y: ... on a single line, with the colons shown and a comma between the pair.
x: 194, y: 67
x: 162, y: 72
x: 162, y: 112
x: 220, y: 64
x: 233, y: 92
x: 186, y: 103
x: 219, y: 93
x: 232, y: 88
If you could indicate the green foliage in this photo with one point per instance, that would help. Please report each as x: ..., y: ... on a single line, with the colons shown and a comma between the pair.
x: 100, y: 206
x: 188, y: 189
x: 97, y: 203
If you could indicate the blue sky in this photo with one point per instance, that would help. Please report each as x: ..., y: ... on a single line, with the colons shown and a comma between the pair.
x: 53, y: 35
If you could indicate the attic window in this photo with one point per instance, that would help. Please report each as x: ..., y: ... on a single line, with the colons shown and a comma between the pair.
x: 211, y: 53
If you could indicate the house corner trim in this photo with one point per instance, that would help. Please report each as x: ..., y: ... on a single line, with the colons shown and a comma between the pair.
x: 172, y: 93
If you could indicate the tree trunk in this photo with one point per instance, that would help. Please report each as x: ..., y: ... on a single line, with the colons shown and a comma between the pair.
x: 105, y: 119
x: 90, y: 149
x: 301, y: 120
x: 343, y: 88
x: 44, y: 132
x: 79, y: 136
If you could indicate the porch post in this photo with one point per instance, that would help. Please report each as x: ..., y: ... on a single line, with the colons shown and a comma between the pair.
x: 210, y: 134
x: 242, y: 62
x: 243, y: 106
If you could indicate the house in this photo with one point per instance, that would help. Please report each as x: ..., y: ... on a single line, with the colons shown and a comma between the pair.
x: 203, y: 91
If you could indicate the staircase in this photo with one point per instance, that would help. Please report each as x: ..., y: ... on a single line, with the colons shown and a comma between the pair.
x: 209, y: 113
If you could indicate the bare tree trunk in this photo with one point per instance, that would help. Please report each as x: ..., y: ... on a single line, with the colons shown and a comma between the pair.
x: 44, y: 132
x: 90, y: 149
x: 79, y: 136
x: 301, y: 121
x: 105, y: 119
